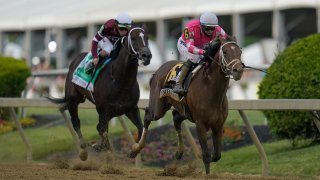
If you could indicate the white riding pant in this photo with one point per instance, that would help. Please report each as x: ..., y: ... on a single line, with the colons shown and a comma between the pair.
x: 105, y: 44
x: 185, y: 54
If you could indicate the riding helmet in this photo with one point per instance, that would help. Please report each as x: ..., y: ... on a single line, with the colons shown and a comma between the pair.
x: 123, y: 20
x: 208, y: 19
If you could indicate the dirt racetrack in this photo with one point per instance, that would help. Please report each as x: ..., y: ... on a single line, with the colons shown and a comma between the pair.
x: 106, y: 166
x: 52, y: 172
x: 47, y: 172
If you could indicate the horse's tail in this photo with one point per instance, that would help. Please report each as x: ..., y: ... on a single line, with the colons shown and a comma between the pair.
x: 60, y: 101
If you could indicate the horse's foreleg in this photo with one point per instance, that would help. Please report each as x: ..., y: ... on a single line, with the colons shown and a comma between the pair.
x: 216, y: 141
x: 135, y: 118
x: 177, y: 120
x: 102, y: 128
x: 136, y: 148
x: 202, y: 136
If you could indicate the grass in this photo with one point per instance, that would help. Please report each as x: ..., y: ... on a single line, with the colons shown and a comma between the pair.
x: 45, y: 141
x: 283, y: 160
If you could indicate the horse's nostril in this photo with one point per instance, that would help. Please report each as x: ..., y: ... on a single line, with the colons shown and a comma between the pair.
x: 146, y: 55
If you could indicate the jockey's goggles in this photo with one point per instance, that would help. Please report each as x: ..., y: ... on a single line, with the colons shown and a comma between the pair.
x: 208, y: 28
x: 124, y: 26
x: 123, y: 29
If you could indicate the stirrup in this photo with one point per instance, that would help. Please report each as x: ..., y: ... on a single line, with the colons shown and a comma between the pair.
x: 179, y: 89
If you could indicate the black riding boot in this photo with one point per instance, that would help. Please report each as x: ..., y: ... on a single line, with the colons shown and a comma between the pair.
x: 89, y: 67
x: 183, y: 73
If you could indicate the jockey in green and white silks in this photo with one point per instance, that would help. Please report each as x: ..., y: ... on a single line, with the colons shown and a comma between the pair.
x: 108, y: 34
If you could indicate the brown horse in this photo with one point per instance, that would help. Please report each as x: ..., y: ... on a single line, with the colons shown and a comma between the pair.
x: 116, y: 90
x: 205, y: 103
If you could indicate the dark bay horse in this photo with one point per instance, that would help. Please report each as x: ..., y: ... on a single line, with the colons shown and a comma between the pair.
x: 205, y: 103
x: 116, y: 90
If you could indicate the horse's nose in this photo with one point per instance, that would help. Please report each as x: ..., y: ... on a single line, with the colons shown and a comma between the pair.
x: 146, y: 56
x: 237, y: 73
x: 237, y: 70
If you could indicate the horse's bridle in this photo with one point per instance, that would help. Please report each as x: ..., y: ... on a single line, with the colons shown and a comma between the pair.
x: 130, y: 47
x: 225, y: 66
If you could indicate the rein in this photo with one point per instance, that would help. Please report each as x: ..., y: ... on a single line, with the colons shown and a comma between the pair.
x: 225, y: 68
x: 130, y: 49
x: 249, y: 67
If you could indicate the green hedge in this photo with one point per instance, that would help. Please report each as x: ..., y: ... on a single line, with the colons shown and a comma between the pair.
x: 294, y: 74
x: 13, y: 75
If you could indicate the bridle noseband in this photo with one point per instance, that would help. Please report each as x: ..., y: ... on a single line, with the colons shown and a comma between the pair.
x: 130, y: 47
x: 225, y: 67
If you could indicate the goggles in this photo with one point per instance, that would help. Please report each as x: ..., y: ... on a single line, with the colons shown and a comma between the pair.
x: 123, y: 29
x: 124, y: 25
x: 208, y: 28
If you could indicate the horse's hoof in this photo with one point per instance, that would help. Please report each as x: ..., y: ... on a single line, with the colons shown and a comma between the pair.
x: 83, y: 145
x: 83, y: 155
x: 179, y: 155
x: 207, y: 166
x: 135, y: 147
x: 132, y: 154
x: 96, y: 147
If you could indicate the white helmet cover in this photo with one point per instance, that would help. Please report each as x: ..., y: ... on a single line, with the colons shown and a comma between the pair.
x: 123, y: 20
x: 209, y: 19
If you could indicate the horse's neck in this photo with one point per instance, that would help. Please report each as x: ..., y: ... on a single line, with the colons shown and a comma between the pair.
x: 123, y: 67
x: 217, y: 83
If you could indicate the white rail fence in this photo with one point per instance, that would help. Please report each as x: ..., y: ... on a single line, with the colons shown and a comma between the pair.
x: 240, y: 105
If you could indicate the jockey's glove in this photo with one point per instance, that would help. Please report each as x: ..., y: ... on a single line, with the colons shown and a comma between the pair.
x: 206, y: 54
x: 202, y: 62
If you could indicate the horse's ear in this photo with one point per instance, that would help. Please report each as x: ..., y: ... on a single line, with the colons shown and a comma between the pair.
x: 144, y: 26
x: 221, y: 39
x: 234, y: 38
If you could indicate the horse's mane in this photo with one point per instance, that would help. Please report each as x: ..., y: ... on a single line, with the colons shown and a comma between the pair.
x: 213, y: 47
x: 117, y: 45
x: 116, y: 49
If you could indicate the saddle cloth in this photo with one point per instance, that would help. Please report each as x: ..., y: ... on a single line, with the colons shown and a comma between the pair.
x: 81, y: 78
x: 173, y: 73
x: 171, y: 79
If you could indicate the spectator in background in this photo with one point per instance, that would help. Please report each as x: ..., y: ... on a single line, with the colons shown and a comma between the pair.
x: 39, y: 85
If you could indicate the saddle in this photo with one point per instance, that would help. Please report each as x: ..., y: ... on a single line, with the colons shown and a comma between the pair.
x: 171, y: 79
x: 87, y: 80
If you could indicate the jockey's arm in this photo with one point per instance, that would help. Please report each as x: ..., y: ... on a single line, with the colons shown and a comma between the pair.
x: 94, y: 45
x: 221, y: 32
x: 189, y: 40
x: 192, y: 48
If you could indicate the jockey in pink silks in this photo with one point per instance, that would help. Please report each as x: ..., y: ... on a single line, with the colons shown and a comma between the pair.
x: 196, y: 35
